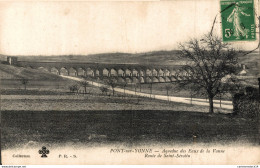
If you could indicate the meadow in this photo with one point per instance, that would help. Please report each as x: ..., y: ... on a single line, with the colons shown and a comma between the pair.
x: 123, y: 126
x: 47, y: 112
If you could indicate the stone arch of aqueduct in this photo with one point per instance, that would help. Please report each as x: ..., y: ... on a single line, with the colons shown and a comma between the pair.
x: 130, y: 73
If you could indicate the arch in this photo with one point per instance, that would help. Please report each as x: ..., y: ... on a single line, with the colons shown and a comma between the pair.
x: 135, y: 80
x: 167, y: 72
x: 161, y: 79
x: 105, y: 72
x: 113, y: 72
x: 185, y: 73
x: 141, y: 80
x: 173, y: 72
x: 172, y: 79
x: 97, y: 72
x: 128, y: 80
x: 128, y: 72
x: 188, y: 73
x: 182, y: 74
x: 141, y: 73
x: 73, y: 72
x: 148, y: 80
x: 113, y: 79
x: 55, y: 71
x: 120, y: 72
x: 155, y: 79
x: 81, y: 72
x: 120, y: 80
x: 135, y: 72
x: 43, y: 69
x: 64, y: 71
x: 89, y: 72
x: 167, y: 79
x: 178, y: 72
x: 155, y: 72
x: 161, y: 72
x: 148, y: 72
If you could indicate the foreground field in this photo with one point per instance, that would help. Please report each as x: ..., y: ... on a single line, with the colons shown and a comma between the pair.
x: 20, y: 128
x: 45, y: 112
x: 44, y: 100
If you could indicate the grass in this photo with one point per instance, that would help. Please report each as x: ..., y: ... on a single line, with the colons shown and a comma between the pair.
x: 34, y: 84
x: 128, y: 126
x: 153, y: 57
x: 95, y: 100
x: 159, y: 89
x: 13, y: 72
x: 54, y: 94
x: 111, y: 58
x: 46, y: 112
x: 29, y: 92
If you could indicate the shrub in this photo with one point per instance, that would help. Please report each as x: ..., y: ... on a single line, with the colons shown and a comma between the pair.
x: 247, y: 104
x: 104, y: 90
x: 74, y: 88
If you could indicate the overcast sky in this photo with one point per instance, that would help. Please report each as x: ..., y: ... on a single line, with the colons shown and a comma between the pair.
x: 57, y: 28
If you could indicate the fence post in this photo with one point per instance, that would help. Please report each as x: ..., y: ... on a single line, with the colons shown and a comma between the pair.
x: 259, y: 83
x: 220, y: 100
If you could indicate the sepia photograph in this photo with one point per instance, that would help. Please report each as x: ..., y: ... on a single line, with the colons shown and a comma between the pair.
x: 130, y: 82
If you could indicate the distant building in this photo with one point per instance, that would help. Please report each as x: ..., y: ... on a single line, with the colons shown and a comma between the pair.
x: 243, y: 71
x: 12, y: 60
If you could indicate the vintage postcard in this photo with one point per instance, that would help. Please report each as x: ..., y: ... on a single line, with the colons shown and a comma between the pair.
x: 130, y: 82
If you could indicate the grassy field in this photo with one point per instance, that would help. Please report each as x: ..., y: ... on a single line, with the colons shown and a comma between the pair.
x: 14, y: 72
x: 10, y: 78
x: 131, y: 127
x: 160, y: 89
x: 251, y: 60
x: 46, y: 112
x: 45, y: 100
x: 165, y: 57
x: 54, y: 87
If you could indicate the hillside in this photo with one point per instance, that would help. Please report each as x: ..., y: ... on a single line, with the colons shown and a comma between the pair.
x: 156, y: 57
x: 39, y: 82
x: 251, y: 60
x: 12, y: 72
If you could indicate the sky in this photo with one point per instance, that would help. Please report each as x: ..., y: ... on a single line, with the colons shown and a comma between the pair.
x: 81, y: 28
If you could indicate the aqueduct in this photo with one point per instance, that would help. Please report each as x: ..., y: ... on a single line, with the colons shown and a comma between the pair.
x: 130, y: 73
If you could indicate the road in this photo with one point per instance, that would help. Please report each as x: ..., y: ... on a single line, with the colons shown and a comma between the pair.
x: 195, y: 101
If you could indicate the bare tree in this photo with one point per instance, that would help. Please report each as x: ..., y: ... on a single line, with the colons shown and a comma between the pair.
x: 168, y: 88
x: 89, y: 78
x: 24, y: 81
x: 74, y: 88
x: 208, y: 61
x: 84, y: 84
x: 150, y: 86
x: 71, y: 88
x: 104, y: 89
x: 112, y: 83
x: 124, y: 84
x: 140, y: 85
x: 136, y: 85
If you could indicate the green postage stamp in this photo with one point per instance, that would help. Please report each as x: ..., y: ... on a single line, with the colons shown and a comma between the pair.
x: 238, y: 21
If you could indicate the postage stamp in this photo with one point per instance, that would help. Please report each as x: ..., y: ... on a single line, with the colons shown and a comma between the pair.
x: 238, y: 21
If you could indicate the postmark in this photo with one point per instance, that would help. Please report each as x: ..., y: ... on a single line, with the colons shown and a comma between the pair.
x: 238, y: 21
